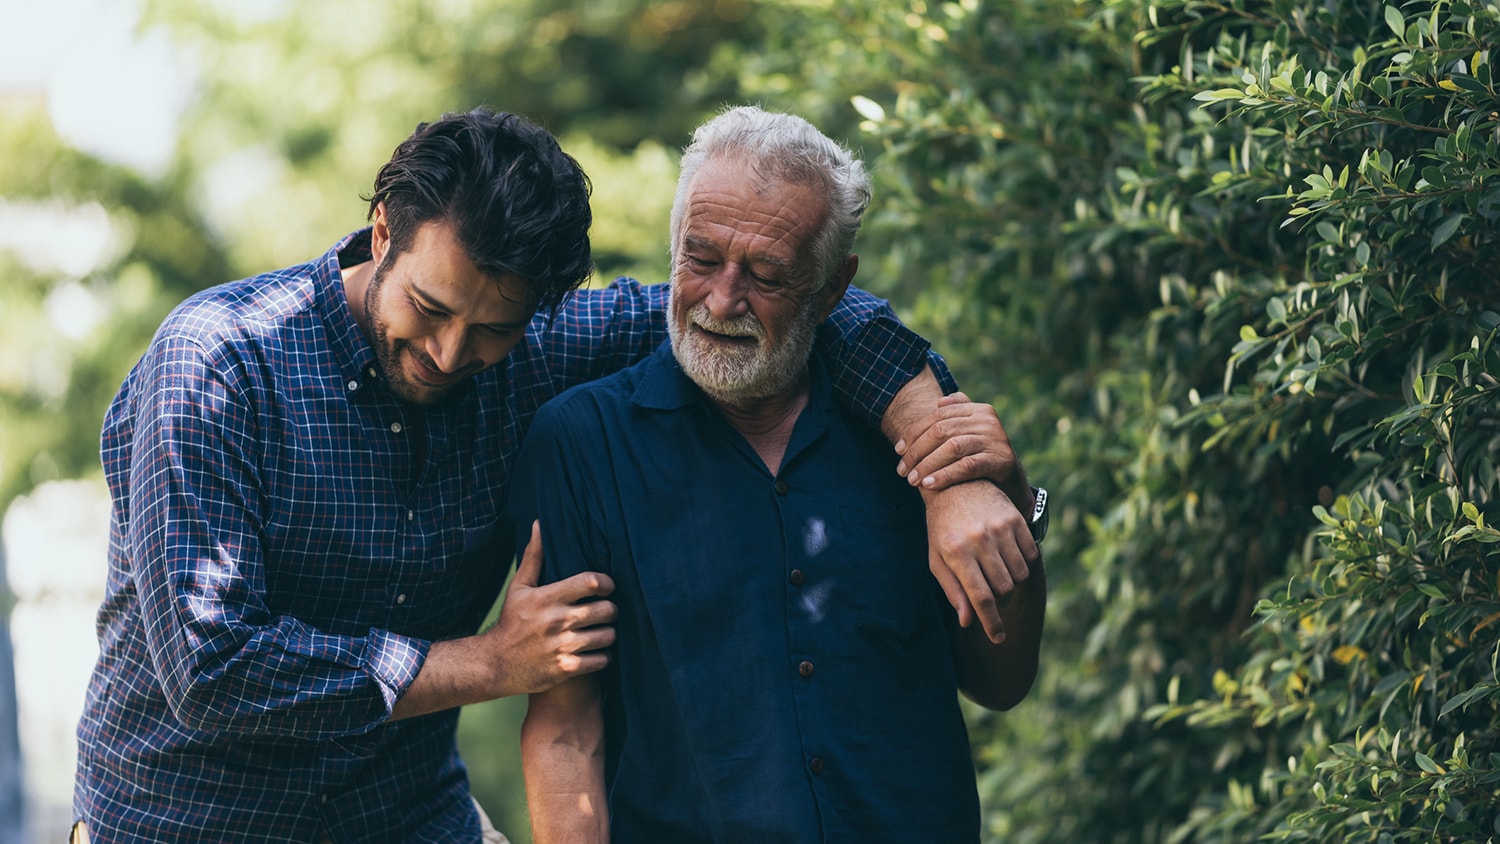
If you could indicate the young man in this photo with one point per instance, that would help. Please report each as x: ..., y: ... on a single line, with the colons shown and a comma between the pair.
x: 785, y: 667
x: 308, y: 470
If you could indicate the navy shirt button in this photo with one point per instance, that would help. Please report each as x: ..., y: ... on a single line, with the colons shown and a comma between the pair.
x: 817, y: 764
x: 781, y: 487
x: 805, y: 669
x: 796, y: 577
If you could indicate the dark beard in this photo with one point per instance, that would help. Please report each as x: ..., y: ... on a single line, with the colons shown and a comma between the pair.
x: 388, y: 353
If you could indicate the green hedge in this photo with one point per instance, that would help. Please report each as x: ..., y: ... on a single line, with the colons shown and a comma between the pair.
x: 1229, y: 271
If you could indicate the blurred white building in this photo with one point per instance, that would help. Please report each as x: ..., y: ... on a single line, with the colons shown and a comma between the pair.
x: 55, y: 542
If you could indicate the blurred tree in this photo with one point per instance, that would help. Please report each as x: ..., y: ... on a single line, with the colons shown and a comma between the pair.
x: 69, y: 334
x: 280, y: 176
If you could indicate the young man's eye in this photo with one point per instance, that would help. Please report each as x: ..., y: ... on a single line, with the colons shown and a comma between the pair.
x: 424, y: 310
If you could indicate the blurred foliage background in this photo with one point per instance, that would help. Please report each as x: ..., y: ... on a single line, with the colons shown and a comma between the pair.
x: 1227, y: 268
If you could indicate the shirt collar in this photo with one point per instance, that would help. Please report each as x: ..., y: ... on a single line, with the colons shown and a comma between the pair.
x: 664, y: 386
x: 355, y: 357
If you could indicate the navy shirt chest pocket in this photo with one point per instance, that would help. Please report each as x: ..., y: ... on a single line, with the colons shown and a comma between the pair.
x: 884, y: 554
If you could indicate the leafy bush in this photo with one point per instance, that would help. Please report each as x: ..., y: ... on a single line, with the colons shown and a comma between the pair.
x: 1228, y: 271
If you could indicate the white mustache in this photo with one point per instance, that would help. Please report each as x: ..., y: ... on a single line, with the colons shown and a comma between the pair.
x: 742, y: 326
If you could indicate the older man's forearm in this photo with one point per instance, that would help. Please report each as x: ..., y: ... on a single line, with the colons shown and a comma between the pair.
x: 999, y: 676
x: 562, y: 757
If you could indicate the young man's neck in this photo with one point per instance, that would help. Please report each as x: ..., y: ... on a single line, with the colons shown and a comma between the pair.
x: 356, y: 281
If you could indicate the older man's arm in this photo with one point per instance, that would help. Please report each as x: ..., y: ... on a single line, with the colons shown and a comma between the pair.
x: 999, y: 675
x: 562, y: 757
x: 957, y: 454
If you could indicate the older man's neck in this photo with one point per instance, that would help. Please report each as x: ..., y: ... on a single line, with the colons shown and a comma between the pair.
x: 767, y: 423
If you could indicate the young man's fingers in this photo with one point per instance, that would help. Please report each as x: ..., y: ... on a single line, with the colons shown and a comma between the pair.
x: 530, y: 569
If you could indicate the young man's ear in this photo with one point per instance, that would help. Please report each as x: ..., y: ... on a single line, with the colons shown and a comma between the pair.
x: 380, y: 234
x: 833, y: 292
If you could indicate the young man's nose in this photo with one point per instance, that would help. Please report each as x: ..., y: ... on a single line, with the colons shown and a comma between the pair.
x: 449, y: 349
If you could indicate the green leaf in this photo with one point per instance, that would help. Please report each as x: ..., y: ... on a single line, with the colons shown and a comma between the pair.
x: 1446, y: 228
x: 1276, y: 309
x: 1220, y: 95
x: 868, y: 108
x: 1395, y: 21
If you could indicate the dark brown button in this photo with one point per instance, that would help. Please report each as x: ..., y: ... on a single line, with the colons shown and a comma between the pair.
x: 796, y: 577
x: 805, y: 669
x: 781, y: 487
x: 817, y: 765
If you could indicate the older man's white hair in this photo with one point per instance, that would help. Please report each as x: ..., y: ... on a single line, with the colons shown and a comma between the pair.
x: 787, y: 148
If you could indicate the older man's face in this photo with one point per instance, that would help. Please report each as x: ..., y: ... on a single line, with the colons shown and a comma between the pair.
x: 744, y: 305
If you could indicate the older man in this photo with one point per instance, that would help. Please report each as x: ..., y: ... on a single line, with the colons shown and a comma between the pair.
x: 786, y: 668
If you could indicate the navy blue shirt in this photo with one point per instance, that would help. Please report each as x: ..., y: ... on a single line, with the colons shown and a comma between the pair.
x: 784, y: 665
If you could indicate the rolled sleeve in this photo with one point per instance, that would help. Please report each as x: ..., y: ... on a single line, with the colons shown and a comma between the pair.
x: 394, y: 662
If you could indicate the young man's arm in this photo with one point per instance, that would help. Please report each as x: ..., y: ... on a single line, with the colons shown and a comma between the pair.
x: 545, y: 635
x: 562, y: 757
x: 226, y: 661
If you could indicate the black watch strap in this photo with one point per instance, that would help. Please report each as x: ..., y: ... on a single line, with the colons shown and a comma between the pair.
x: 1038, y: 520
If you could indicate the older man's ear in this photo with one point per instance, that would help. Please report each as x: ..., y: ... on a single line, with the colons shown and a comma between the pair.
x: 833, y: 292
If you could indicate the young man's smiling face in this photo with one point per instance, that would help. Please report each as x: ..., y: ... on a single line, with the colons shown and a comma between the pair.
x: 434, y: 319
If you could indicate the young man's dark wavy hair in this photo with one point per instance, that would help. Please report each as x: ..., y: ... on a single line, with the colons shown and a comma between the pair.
x: 518, y: 204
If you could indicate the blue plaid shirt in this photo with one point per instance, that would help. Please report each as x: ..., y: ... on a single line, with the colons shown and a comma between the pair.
x: 287, y: 539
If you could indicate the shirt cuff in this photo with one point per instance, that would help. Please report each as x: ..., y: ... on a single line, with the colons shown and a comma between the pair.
x: 394, y: 662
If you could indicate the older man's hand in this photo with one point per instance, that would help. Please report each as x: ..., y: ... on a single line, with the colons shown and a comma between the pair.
x: 979, y: 543
x: 979, y: 548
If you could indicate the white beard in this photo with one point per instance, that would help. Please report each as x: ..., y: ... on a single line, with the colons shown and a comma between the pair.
x: 737, y: 375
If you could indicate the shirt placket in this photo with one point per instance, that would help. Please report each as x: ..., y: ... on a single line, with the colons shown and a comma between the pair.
x: 423, y: 432
x: 804, y: 536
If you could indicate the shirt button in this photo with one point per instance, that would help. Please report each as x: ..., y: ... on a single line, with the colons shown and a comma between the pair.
x: 805, y: 669
x: 352, y: 385
x: 370, y: 372
x: 395, y: 427
x: 410, y: 515
x: 781, y: 487
x: 322, y: 798
x: 817, y: 764
x: 401, y: 599
x: 796, y: 577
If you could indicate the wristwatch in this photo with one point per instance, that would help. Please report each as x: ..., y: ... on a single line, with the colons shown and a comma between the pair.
x: 1038, y: 520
